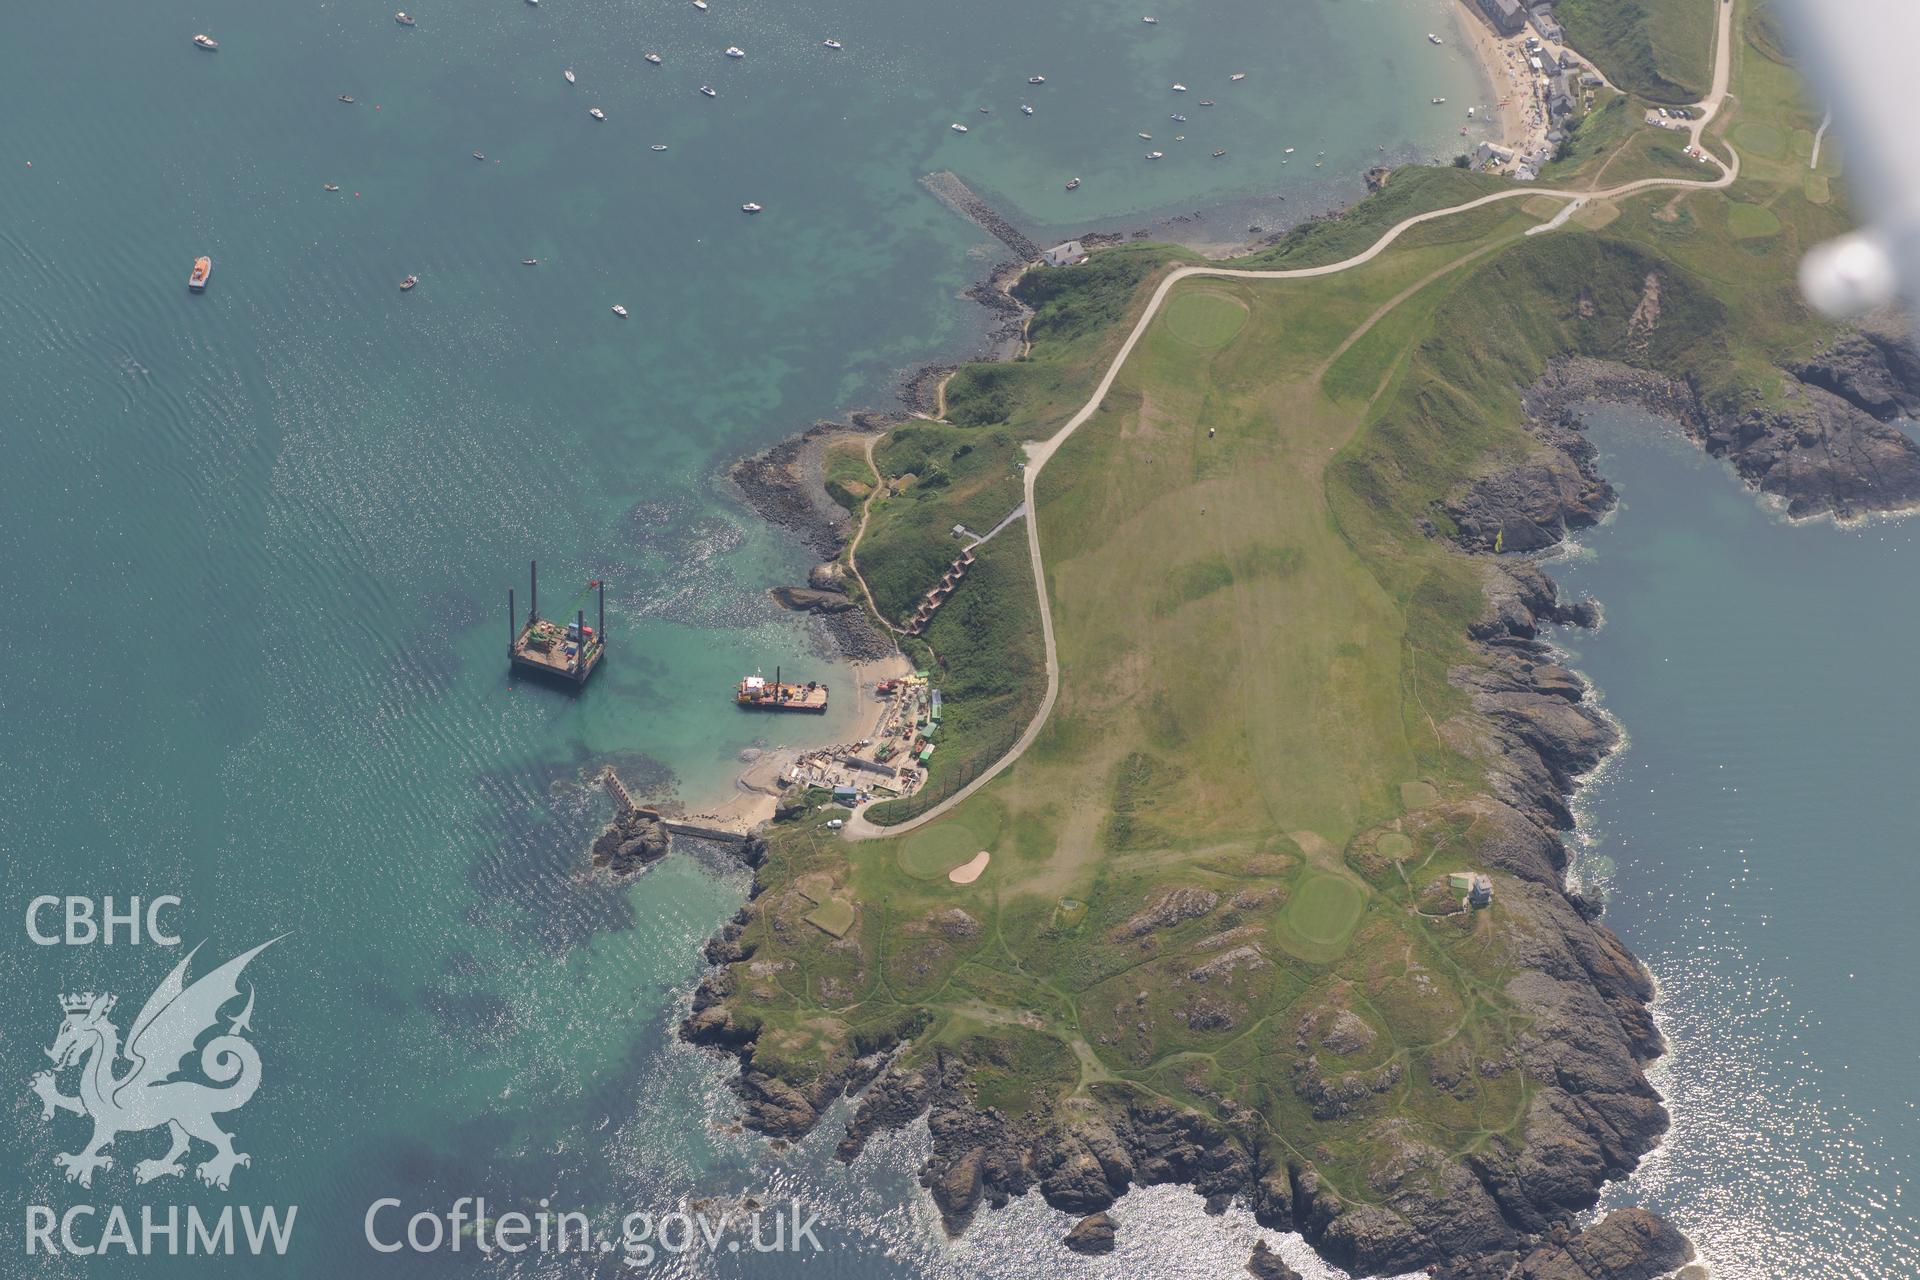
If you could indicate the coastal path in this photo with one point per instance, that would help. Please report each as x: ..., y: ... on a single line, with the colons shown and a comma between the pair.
x: 1038, y: 452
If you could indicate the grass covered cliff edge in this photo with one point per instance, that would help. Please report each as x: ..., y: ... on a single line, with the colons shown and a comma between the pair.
x: 1218, y: 939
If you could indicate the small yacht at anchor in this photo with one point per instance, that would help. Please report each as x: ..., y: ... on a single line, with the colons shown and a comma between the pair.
x: 1152, y: 22
x: 347, y: 98
x: 529, y: 262
x: 1179, y: 88
x: 202, y: 268
x: 408, y: 283
x: 735, y: 51
x: 1218, y: 154
x: 658, y: 146
x: 596, y: 113
x: 959, y: 128
x: 1073, y: 184
x: 1237, y: 77
x: 1155, y: 155
x: 1206, y: 102
x: 1036, y: 79
x: 700, y: 5
x: 1434, y: 39
x: 750, y: 207
x: 1180, y: 119
x: 479, y: 156
x: 568, y: 73
x: 1147, y: 136
x: 1439, y: 102
x: 329, y: 186
x: 1025, y: 110
x: 831, y: 44
x: 620, y: 311
x: 404, y: 18
x: 654, y: 58
x: 707, y: 91
x: 206, y: 42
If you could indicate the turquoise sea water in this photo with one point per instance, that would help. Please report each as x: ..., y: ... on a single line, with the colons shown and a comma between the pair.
x: 256, y: 542
x: 1756, y: 842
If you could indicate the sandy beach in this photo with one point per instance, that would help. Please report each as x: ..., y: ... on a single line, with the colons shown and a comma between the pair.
x: 1514, y: 97
x: 756, y: 790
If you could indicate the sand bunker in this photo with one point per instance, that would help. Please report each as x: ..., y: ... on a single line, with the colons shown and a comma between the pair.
x: 968, y: 872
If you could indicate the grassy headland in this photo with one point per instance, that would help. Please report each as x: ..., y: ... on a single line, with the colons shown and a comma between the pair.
x: 1218, y: 880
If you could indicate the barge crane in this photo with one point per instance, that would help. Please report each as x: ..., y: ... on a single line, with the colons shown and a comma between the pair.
x: 564, y: 652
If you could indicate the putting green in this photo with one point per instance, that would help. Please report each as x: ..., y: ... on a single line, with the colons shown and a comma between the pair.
x: 1751, y: 221
x: 931, y: 852
x: 1320, y: 917
x: 1393, y: 845
x: 1206, y: 318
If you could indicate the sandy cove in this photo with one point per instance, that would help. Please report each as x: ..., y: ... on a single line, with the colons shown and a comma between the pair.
x: 1516, y: 103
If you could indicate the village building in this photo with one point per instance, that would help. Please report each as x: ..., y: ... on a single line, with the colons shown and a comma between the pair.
x: 1065, y: 255
x: 1509, y: 17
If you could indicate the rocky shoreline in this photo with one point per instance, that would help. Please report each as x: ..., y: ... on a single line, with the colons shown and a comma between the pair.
x: 1826, y: 446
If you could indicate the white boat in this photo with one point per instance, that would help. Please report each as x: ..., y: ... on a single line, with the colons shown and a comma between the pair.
x: 1147, y: 136
x: 568, y: 73
x: 1036, y: 79
x: 831, y: 44
x: 749, y: 207
x: 707, y: 89
x: 1073, y: 184
x: 620, y: 311
x: 596, y: 113
x: 654, y: 58
x: 1178, y: 118
x: 658, y: 146
x: 700, y: 5
x: 1206, y: 102
x: 735, y: 51
x: 1434, y: 39
x: 1289, y: 151
x: 206, y: 42
x: 1179, y: 88
x: 1155, y: 155
x: 1237, y: 76
x: 959, y: 128
x: 404, y: 18
x: 1218, y: 154
x: 1151, y: 21
x: 1469, y: 113
x: 1025, y: 110
x: 1439, y: 102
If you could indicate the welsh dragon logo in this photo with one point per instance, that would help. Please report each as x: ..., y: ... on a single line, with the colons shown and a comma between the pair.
x: 148, y: 1094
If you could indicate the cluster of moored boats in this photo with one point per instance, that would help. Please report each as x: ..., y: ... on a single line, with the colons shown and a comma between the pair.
x: 1073, y: 184
x: 203, y: 266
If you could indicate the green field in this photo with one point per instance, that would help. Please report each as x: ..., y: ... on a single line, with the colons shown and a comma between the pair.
x: 932, y: 851
x: 1659, y: 49
x: 1206, y: 318
x: 1258, y: 761
x: 1320, y: 917
x: 1751, y: 221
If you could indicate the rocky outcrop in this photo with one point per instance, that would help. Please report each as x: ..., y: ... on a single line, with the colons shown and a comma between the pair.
x: 1265, y: 1264
x: 1876, y: 368
x: 1093, y: 1234
x: 1628, y: 1244
x: 632, y: 842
